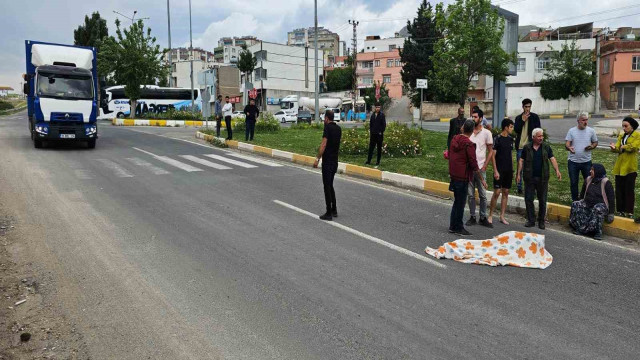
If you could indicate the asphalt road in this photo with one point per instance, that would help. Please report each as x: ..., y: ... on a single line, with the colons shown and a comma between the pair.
x: 156, y: 254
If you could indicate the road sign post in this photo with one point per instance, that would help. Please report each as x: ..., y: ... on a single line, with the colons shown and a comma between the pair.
x: 421, y: 84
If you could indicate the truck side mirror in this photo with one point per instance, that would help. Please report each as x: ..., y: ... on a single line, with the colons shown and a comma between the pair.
x: 25, y: 88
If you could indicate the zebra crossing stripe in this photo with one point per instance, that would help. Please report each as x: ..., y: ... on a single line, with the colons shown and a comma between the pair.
x: 256, y: 160
x: 152, y: 168
x: 172, y: 162
x: 231, y: 161
x: 205, y: 162
x: 117, y: 169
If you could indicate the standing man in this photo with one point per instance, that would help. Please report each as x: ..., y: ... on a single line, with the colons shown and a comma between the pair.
x: 463, y: 166
x: 580, y: 140
x: 227, y: 110
x: 376, y: 133
x: 251, y: 111
x: 455, y: 126
x: 502, y: 161
x: 524, y: 125
x: 218, y: 114
x: 484, y: 142
x: 534, y: 165
x: 329, y: 149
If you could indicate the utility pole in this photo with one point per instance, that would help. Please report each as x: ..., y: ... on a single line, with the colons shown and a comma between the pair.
x: 597, y: 107
x: 315, y: 59
x: 170, y: 50
x: 191, y: 57
x: 354, y: 53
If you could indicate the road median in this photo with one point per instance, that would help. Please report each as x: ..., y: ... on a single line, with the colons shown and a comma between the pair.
x: 620, y: 227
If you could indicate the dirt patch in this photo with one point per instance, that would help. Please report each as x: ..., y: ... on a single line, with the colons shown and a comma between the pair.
x: 30, y: 326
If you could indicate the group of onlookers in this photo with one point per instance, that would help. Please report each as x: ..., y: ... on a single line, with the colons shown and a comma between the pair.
x: 471, y: 147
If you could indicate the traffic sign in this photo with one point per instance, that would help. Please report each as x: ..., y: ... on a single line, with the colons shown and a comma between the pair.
x: 421, y: 83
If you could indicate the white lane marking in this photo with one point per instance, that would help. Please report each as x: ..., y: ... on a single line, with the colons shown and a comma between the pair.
x: 172, y: 162
x: 117, y: 169
x: 365, y: 236
x: 154, y: 169
x: 129, y: 128
x: 205, y: 162
x: 256, y: 160
x: 83, y: 174
x: 231, y: 161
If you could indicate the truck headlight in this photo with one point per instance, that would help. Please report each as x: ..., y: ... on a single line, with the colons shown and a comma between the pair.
x: 42, y: 129
x: 89, y: 130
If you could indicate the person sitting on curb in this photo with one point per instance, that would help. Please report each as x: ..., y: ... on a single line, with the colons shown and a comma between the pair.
x: 597, y: 201
x: 534, y: 166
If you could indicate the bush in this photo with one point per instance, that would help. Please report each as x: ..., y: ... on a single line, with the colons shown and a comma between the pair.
x: 173, y: 115
x: 4, y: 105
x: 239, y: 126
x: 399, y: 141
x: 267, y: 123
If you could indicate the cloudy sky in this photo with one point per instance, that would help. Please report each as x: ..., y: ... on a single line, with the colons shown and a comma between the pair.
x: 269, y: 20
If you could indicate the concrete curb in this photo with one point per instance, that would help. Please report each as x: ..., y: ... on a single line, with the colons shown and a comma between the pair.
x: 166, y: 123
x: 621, y: 227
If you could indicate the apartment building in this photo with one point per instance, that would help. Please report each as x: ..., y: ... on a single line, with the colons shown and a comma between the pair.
x: 382, y: 66
x: 179, y: 54
x: 373, y: 43
x: 328, y: 42
x: 620, y: 73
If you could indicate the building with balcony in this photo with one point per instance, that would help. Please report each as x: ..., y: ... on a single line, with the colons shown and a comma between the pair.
x: 179, y: 54
x: 374, y: 43
x: 227, y: 54
x: 620, y: 72
x: 328, y: 42
x: 238, y: 41
x: 383, y: 66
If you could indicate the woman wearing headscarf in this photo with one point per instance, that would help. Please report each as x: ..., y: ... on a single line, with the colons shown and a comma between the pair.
x: 626, y: 167
x: 596, y: 202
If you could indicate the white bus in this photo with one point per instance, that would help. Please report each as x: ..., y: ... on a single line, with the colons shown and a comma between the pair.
x: 153, y: 98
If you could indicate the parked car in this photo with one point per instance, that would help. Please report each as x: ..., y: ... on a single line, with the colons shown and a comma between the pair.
x: 238, y: 114
x: 304, y: 116
x: 284, y: 117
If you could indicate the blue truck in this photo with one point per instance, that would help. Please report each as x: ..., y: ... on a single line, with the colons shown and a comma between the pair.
x: 61, y: 85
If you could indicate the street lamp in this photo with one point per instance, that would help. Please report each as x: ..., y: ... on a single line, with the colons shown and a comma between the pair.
x: 170, y: 50
x: 191, y: 56
x: 315, y: 64
x: 131, y: 18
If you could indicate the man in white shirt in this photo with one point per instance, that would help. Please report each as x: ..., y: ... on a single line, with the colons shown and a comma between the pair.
x: 484, y: 143
x: 227, y: 110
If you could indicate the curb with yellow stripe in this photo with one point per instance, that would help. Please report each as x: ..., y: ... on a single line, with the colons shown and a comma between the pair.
x: 620, y: 227
x: 167, y: 123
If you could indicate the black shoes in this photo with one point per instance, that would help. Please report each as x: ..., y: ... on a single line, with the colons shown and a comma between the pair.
x: 368, y: 163
x: 462, y: 231
x: 326, y: 216
x: 530, y: 224
x: 598, y: 235
x: 334, y: 213
x: 541, y: 225
x: 471, y: 221
x: 486, y: 223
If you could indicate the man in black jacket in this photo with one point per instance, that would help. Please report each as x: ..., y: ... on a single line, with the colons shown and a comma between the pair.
x: 524, y: 125
x: 376, y: 133
x: 251, y: 112
x: 455, y: 125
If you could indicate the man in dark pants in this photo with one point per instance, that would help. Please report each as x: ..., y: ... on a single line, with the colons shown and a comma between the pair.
x: 227, y: 110
x: 523, y: 126
x: 218, y: 114
x: 251, y: 111
x: 455, y: 126
x: 329, y: 149
x: 534, y: 164
x: 463, y: 166
x: 377, y: 126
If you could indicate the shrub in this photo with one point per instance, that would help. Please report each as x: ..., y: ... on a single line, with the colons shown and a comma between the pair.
x: 267, y: 123
x: 239, y: 126
x: 173, y: 115
x: 399, y: 141
x: 4, y: 105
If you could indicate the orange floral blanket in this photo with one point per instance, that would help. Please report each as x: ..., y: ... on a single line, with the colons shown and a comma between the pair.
x: 511, y: 248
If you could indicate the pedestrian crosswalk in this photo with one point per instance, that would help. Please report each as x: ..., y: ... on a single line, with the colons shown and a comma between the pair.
x: 149, y: 163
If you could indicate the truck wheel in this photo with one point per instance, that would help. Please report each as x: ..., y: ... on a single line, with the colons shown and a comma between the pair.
x: 120, y: 115
x: 91, y: 144
x: 37, y: 143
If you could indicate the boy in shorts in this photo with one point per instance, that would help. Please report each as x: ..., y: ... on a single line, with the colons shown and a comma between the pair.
x: 502, y: 169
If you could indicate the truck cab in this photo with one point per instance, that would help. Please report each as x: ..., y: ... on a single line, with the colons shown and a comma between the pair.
x: 61, y: 88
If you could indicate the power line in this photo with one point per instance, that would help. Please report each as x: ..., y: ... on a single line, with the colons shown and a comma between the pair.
x: 594, y: 13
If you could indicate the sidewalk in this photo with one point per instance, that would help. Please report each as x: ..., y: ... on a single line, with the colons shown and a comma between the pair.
x: 621, y: 227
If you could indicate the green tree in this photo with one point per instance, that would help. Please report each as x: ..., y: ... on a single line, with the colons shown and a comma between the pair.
x: 133, y: 59
x: 470, y: 46
x: 92, y: 33
x: 570, y: 73
x: 340, y: 79
x: 370, y: 97
x: 416, y: 55
x: 247, y: 62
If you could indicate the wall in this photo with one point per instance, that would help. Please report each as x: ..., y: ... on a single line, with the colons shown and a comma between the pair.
x: 383, y: 44
x: 515, y: 95
x: 435, y: 110
x: 183, y: 71
x: 286, y: 66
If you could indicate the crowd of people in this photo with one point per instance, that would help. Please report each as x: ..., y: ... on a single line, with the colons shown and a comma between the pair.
x: 471, y: 147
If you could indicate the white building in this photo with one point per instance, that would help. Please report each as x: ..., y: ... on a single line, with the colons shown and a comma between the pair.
x: 375, y: 44
x: 181, y: 70
x: 227, y: 54
x: 533, y: 59
x: 282, y: 70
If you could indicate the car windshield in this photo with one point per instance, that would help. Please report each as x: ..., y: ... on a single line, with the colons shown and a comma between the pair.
x: 76, y: 87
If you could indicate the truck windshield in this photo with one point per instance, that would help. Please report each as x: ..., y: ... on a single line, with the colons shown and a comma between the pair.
x: 285, y: 105
x: 65, y: 86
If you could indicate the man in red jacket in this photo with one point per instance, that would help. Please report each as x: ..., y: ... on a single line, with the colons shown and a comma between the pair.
x: 462, y: 166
